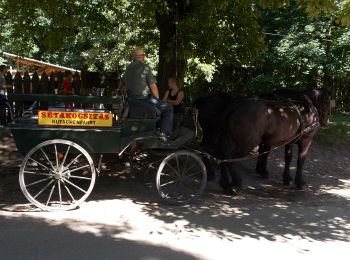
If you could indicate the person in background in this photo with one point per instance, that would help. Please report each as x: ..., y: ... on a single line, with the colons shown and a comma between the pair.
x: 67, y: 88
x: 9, y: 82
x: 141, y: 85
x: 3, y: 71
x: 174, y: 96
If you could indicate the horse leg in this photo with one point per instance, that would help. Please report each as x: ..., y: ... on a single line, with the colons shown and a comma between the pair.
x: 236, y: 178
x: 303, y: 147
x: 210, y: 169
x: 261, y: 165
x: 288, y: 154
x: 225, y: 182
x: 230, y: 181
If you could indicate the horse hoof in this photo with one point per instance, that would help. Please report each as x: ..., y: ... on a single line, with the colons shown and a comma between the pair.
x: 230, y: 191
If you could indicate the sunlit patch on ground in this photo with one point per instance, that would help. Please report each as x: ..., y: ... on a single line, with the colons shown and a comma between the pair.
x: 342, y: 191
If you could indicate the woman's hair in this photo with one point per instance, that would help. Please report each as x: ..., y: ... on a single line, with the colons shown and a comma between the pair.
x: 177, y: 81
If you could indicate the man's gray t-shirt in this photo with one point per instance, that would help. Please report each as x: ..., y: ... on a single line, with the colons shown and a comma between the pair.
x: 138, y: 77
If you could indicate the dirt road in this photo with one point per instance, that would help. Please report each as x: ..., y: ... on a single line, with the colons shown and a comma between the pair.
x: 124, y: 218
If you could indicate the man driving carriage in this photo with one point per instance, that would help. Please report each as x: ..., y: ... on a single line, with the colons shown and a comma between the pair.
x: 141, y: 85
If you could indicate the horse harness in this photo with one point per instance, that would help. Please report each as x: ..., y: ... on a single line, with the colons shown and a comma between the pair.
x: 301, y: 131
x: 302, y: 128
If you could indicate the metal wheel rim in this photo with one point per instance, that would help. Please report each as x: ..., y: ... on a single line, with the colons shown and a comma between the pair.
x: 203, y: 180
x: 75, y: 203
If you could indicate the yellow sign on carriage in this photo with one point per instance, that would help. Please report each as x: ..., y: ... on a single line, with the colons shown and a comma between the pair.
x: 75, y: 119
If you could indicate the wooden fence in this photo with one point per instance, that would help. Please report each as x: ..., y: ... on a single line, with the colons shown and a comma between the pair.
x: 86, y: 83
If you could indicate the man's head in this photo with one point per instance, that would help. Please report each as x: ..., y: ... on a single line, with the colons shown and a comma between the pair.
x: 138, y: 54
x: 3, y: 69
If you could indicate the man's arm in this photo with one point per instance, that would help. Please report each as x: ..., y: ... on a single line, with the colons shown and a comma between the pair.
x: 154, y: 90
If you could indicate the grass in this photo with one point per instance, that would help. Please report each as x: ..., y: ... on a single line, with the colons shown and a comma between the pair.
x: 338, y: 131
x: 340, y: 118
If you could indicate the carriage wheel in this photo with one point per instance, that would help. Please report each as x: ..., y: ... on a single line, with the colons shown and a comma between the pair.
x: 57, y: 175
x: 181, y: 178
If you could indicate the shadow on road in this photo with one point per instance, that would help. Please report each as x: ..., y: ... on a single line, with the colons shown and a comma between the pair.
x: 265, y: 209
x: 56, y: 241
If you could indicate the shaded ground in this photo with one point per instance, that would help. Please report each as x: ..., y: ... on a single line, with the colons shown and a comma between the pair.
x: 124, y: 218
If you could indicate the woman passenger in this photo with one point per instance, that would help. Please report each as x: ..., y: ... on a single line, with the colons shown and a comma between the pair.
x: 174, y: 95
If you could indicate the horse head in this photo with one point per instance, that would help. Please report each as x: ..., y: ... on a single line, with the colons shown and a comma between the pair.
x: 321, y: 99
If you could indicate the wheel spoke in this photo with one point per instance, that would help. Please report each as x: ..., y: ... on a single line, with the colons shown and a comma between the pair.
x: 59, y: 191
x: 79, y: 177
x: 56, y: 155
x: 172, y: 168
x: 75, y: 186
x: 70, y: 194
x: 40, y: 181
x: 47, y: 158
x: 65, y: 157
x: 193, y: 174
x: 187, y: 186
x: 71, y: 162
x: 177, y: 164
x: 43, y: 189
x: 51, y: 192
x: 191, y: 167
x: 38, y: 173
x: 165, y: 174
x: 79, y: 168
x: 185, y: 164
x: 39, y: 163
x: 170, y: 182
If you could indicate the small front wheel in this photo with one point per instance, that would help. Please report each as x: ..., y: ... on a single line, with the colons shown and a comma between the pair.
x: 181, y: 178
x: 57, y: 175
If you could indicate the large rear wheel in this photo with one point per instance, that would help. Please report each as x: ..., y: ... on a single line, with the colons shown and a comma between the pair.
x: 57, y: 175
x: 181, y: 178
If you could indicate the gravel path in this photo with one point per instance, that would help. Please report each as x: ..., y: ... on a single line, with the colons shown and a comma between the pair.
x: 124, y: 218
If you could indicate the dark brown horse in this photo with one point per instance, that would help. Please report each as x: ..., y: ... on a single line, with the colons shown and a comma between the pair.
x: 318, y: 100
x: 248, y: 123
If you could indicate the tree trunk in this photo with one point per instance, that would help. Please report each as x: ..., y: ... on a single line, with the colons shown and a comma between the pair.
x: 172, y: 61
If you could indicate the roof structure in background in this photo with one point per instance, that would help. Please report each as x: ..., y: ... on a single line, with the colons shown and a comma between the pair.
x: 40, y: 65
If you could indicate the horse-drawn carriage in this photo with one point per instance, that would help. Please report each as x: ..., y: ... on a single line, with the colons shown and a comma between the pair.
x: 64, y: 149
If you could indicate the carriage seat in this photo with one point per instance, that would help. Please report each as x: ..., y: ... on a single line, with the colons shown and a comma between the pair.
x: 142, y: 110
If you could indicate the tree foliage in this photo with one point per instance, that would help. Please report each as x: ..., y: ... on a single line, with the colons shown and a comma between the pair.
x: 240, y: 46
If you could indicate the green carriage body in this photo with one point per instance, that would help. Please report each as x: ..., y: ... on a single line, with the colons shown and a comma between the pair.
x: 99, y: 140
x: 58, y: 171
